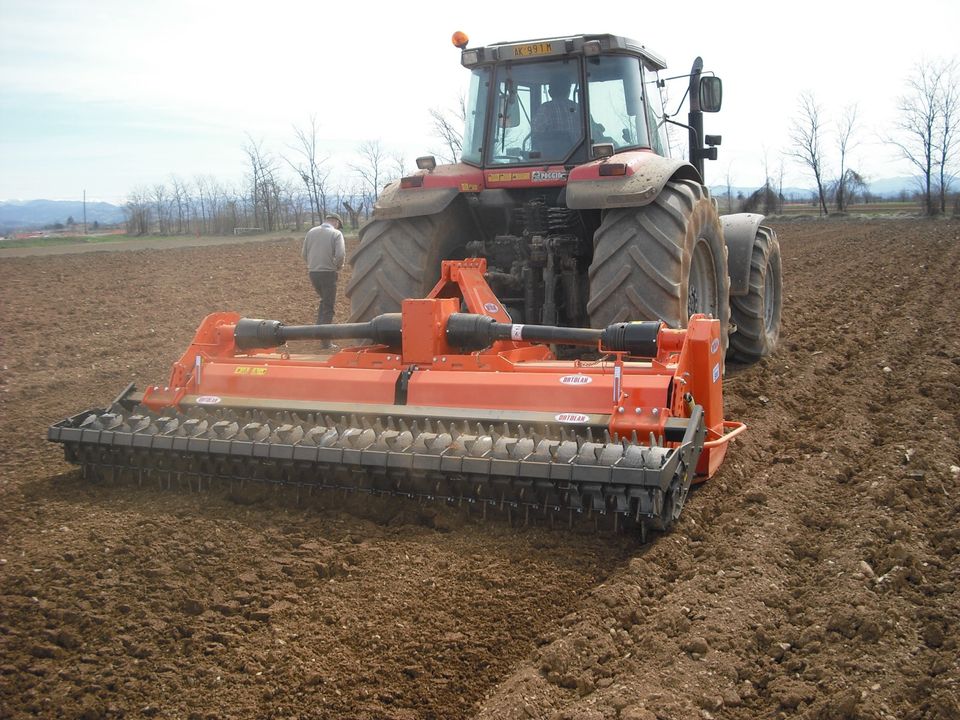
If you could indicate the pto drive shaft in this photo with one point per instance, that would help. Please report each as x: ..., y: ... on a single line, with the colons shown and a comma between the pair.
x: 464, y: 330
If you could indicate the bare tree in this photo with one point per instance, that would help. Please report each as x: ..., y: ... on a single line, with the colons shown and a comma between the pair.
x: 160, y: 204
x: 398, y: 167
x: 806, y: 134
x: 948, y: 135
x: 854, y: 183
x: 137, y: 211
x: 846, y: 127
x: 729, y: 190
x: 180, y: 201
x: 203, y: 195
x: 309, y: 167
x: 447, y: 126
x: 919, y: 116
x: 371, y: 169
x: 781, y: 171
x: 770, y: 199
x: 264, y: 188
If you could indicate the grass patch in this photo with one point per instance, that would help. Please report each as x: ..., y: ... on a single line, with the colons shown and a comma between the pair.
x: 54, y: 240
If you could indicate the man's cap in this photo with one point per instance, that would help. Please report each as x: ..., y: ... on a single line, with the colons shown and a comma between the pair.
x: 333, y: 216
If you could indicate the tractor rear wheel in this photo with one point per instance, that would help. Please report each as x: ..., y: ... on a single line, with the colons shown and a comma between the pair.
x: 399, y: 259
x: 664, y: 261
x: 757, y: 314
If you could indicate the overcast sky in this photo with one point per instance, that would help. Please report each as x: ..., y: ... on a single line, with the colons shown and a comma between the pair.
x: 107, y: 95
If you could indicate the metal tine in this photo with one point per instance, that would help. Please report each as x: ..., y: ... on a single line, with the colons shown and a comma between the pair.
x: 653, y: 439
x: 606, y: 437
x: 390, y: 423
x: 402, y: 441
x: 589, y: 435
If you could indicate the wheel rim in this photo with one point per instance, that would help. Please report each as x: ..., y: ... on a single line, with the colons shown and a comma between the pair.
x: 702, y: 293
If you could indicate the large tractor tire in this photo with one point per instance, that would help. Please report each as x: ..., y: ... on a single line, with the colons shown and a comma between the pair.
x: 757, y: 314
x: 664, y: 261
x: 399, y: 259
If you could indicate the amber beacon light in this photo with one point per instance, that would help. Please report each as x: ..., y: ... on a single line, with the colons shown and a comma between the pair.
x: 460, y: 39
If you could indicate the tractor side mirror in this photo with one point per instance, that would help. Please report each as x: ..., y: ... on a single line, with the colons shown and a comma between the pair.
x: 711, y: 93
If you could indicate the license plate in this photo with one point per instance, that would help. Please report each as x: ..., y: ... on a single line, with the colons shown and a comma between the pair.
x: 533, y: 49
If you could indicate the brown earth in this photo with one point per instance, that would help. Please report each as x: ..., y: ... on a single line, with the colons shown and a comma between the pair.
x: 816, y: 576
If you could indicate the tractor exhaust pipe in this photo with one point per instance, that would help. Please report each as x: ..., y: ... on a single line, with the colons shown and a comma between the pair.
x: 695, y: 118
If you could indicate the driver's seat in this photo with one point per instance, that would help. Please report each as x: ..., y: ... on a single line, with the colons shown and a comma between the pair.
x: 553, y: 144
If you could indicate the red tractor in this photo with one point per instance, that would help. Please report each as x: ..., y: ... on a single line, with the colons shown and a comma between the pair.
x: 566, y: 187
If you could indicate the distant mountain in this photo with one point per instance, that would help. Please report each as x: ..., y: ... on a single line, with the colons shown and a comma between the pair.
x: 19, y: 215
x: 884, y: 188
x: 892, y: 187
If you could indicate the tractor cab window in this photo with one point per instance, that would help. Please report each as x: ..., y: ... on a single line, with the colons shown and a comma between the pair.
x: 475, y: 116
x: 537, y: 114
x: 617, y: 103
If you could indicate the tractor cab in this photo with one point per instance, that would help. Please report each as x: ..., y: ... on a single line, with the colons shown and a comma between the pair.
x: 550, y: 102
x: 566, y: 189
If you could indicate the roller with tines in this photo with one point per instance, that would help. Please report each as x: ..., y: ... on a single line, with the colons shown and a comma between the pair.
x: 447, y: 401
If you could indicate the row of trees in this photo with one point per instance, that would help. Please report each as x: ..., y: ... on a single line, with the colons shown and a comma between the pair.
x: 290, y: 188
x: 280, y: 190
x: 927, y: 135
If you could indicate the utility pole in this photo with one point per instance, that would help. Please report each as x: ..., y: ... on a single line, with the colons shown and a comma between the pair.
x: 84, y: 211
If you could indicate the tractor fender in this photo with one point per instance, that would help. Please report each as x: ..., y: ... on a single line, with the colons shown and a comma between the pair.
x: 395, y: 204
x: 647, y: 175
x: 739, y: 232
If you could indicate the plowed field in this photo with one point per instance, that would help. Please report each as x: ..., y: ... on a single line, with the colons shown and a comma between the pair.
x: 816, y: 576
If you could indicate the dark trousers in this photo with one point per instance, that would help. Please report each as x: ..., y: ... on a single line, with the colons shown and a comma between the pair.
x: 325, y: 283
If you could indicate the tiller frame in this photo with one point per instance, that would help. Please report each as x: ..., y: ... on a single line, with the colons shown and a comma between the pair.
x: 446, y: 405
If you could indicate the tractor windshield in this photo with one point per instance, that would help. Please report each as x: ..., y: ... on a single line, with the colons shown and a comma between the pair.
x: 615, y: 90
x: 539, y: 112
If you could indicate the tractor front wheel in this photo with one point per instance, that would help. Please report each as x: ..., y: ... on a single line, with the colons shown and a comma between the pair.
x: 757, y: 314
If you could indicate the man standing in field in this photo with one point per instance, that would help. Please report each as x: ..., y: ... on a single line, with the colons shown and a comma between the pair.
x: 324, y: 252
